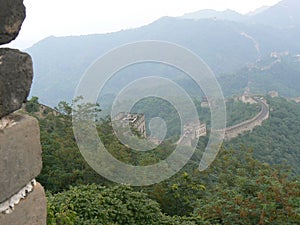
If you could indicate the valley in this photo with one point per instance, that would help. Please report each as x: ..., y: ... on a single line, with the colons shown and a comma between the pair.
x: 221, y: 148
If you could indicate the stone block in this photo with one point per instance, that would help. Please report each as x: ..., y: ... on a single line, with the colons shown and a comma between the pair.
x: 30, y: 211
x: 16, y: 75
x: 20, y: 153
x: 12, y: 15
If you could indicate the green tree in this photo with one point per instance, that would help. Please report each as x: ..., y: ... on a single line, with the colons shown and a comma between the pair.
x: 248, y: 192
x: 178, y: 196
x: 33, y: 105
x: 92, y: 204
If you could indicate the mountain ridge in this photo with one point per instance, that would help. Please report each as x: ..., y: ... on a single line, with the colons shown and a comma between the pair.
x: 285, y: 13
x: 214, y: 14
x: 226, y: 46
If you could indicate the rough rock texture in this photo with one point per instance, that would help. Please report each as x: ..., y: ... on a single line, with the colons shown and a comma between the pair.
x: 30, y: 211
x: 20, y: 148
x: 12, y: 15
x: 20, y: 153
x: 15, y: 79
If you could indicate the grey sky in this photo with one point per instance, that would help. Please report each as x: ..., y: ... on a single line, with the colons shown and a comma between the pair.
x: 77, y: 17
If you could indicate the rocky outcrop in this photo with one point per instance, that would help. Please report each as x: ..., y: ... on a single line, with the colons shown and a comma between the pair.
x: 12, y: 15
x: 15, y: 79
x: 20, y: 153
x: 22, y: 200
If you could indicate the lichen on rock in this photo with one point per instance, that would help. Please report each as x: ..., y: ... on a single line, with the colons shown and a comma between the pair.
x: 16, y: 76
x: 12, y: 15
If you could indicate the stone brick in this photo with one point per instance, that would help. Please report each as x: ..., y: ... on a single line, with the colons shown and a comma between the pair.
x: 16, y: 75
x: 12, y: 15
x: 20, y: 153
x: 30, y: 211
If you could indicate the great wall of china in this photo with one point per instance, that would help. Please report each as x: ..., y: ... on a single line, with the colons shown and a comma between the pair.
x: 249, y: 125
x: 238, y: 129
x: 22, y: 199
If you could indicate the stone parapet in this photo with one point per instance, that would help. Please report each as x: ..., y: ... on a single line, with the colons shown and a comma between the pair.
x: 20, y: 153
x: 22, y: 201
x: 31, y: 210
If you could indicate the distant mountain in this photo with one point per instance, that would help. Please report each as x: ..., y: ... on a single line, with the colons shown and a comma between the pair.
x: 284, y: 14
x: 213, y: 14
x: 258, y: 11
x: 59, y: 62
x: 226, y: 46
x: 280, y: 72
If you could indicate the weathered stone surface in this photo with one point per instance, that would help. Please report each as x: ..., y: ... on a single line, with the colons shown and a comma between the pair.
x: 12, y: 15
x: 30, y: 211
x: 20, y: 153
x: 15, y: 79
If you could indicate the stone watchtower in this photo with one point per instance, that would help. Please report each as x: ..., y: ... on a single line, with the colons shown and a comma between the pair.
x: 22, y: 200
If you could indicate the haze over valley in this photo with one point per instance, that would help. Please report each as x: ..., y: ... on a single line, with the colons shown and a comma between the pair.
x: 260, y: 49
x: 122, y: 116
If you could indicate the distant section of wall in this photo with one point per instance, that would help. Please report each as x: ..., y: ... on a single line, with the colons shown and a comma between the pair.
x: 135, y: 120
x: 22, y: 200
x: 249, y: 125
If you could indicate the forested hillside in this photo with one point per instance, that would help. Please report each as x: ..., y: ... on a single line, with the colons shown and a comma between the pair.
x: 238, y: 188
x: 277, y: 141
x: 187, y: 120
x: 279, y: 73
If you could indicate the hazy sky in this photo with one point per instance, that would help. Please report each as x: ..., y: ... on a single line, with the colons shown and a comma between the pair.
x: 78, y: 17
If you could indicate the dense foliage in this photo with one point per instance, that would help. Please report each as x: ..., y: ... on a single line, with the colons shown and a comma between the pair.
x: 277, y: 141
x: 246, y: 191
x: 236, y: 189
x: 239, y: 190
x: 63, y: 164
x: 92, y: 204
